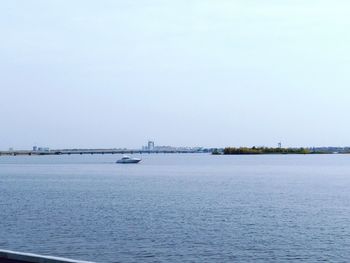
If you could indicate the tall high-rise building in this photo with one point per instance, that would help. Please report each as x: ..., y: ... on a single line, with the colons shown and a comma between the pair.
x: 150, y: 145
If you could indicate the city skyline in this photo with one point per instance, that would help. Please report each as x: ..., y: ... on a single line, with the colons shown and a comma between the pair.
x: 152, y: 146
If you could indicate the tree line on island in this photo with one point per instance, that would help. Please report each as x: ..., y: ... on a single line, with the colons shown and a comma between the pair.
x: 263, y: 150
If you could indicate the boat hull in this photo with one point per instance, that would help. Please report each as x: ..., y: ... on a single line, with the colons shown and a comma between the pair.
x: 129, y: 161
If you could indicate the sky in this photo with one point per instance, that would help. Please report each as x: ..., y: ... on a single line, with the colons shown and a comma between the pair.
x: 209, y: 73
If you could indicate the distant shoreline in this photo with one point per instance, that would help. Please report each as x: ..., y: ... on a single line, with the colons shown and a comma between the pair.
x: 279, y: 150
x: 213, y: 151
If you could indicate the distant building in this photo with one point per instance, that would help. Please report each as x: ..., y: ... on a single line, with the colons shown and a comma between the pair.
x: 159, y: 148
x: 43, y: 149
x: 150, y: 145
x: 164, y: 148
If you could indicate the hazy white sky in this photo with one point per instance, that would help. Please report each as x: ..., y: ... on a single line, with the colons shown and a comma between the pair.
x: 198, y: 73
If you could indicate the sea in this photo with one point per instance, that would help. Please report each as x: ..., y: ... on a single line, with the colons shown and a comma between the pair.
x: 178, y: 207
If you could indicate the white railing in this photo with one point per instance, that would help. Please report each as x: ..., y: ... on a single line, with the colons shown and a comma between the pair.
x: 33, y: 258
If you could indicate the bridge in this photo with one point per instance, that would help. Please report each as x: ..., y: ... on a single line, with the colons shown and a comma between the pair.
x: 91, y: 152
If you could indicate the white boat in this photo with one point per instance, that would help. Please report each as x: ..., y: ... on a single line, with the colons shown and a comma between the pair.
x: 127, y: 159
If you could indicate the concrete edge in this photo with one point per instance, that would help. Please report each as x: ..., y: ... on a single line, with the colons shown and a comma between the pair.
x: 34, y: 258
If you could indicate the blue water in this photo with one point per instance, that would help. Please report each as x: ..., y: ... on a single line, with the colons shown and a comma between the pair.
x: 178, y: 208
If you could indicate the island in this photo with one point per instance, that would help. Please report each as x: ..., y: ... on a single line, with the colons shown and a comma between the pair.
x: 266, y: 150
